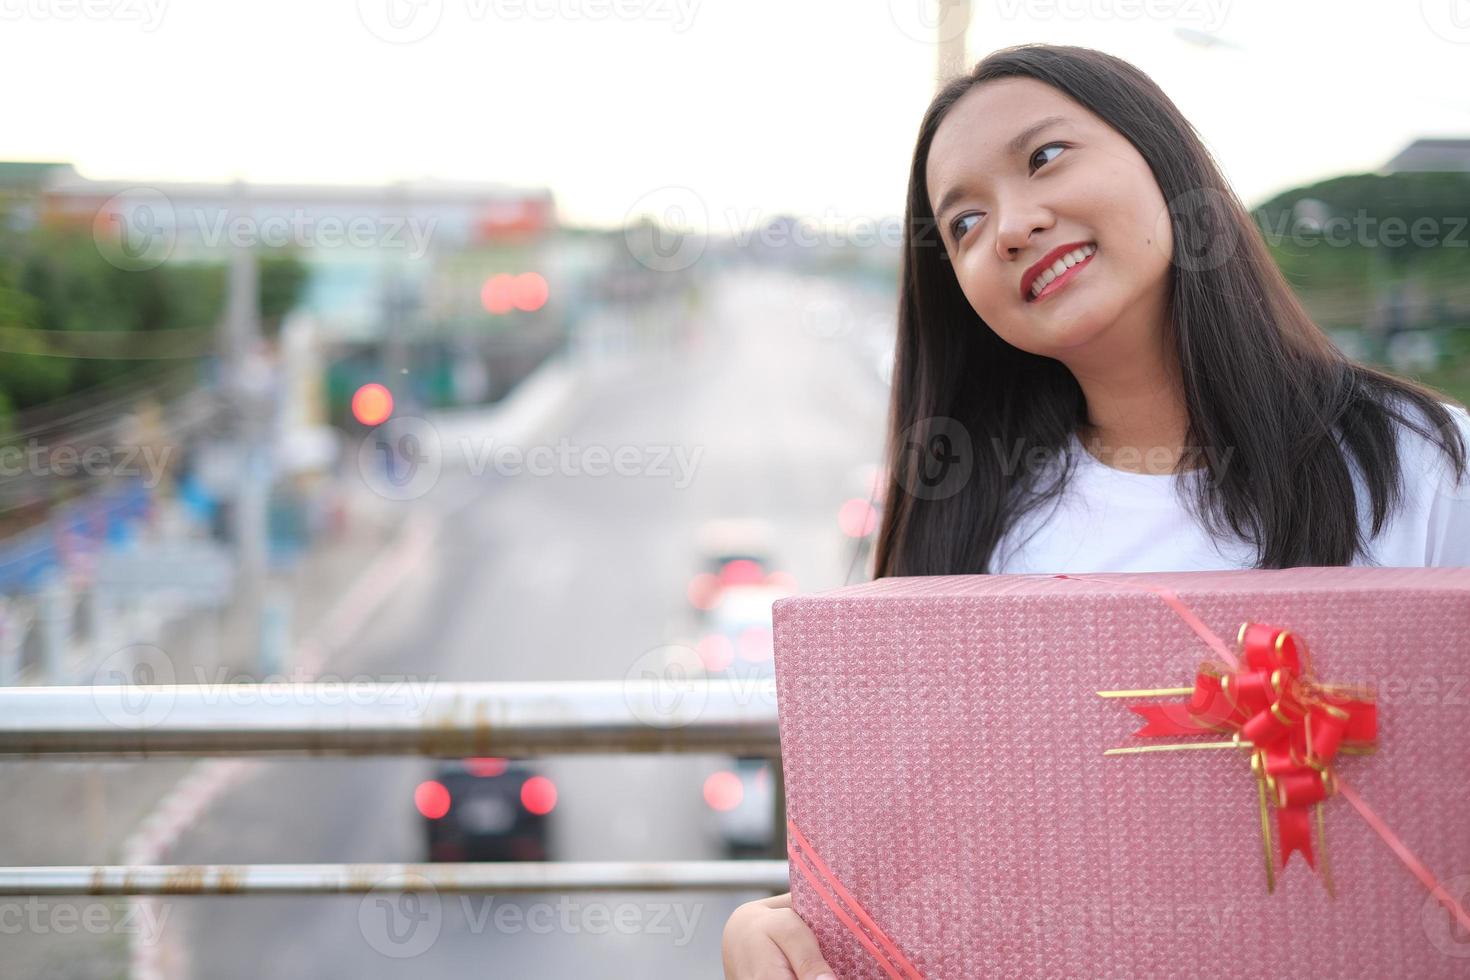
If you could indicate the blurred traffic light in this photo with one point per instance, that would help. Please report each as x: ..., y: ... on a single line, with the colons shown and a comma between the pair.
x: 495, y: 295
x: 529, y: 291
x: 504, y: 292
x: 372, y: 404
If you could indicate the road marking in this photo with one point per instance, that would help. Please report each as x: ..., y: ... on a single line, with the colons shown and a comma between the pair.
x: 187, y: 802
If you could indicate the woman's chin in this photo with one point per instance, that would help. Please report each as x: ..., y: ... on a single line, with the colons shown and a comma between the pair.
x: 1053, y: 337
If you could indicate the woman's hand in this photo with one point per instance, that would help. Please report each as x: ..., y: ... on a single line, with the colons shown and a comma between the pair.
x: 766, y: 940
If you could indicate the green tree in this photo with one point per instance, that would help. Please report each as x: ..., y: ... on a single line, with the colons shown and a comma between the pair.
x: 55, y: 281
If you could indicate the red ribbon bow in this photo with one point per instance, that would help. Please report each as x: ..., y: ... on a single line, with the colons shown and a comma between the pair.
x: 1295, y: 724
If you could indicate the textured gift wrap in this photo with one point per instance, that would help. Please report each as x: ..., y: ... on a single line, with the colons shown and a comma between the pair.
x: 943, y: 749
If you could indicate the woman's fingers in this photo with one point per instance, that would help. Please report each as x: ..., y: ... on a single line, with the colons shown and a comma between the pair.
x: 766, y: 940
x: 799, y: 945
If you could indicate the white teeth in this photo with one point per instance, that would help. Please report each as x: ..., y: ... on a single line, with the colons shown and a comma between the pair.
x: 1060, y: 266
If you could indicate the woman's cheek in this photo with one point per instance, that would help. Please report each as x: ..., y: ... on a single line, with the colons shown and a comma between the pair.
x: 984, y: 300
x: 1150, y: 232
x: 1001, y: 316
x: 981, y: 287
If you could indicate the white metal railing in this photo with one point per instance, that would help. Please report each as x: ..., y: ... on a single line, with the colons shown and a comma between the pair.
x: 342, y: 879
x: 435, y: 719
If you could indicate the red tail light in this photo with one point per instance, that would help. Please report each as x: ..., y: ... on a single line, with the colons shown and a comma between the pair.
x: 723, y: 790
x: 742, y: 571
x: 431, y: 798
x: 538, y: 795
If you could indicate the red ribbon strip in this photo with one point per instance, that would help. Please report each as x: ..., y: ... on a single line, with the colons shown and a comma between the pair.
x: 841, y: 901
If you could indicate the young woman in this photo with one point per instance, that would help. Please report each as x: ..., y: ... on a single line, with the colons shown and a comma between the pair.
x: 1100, y: 368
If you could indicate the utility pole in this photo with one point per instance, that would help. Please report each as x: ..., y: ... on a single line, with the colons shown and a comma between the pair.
x: 246, y: 385
x: 950, y: 27
x: 396, y: 306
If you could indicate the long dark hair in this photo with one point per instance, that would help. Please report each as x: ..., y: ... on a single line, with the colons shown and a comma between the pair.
x: 1259, y: 376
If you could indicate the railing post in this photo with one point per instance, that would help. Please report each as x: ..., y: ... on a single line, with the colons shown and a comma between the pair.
x: 56, y: 623
x: 15, y: 620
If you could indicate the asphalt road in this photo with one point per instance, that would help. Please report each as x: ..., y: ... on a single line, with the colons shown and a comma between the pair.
x: 774, y: 403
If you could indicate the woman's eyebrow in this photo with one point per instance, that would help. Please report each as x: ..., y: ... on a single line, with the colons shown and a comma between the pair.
x: 1016, y: 145
x: 1019, y: 141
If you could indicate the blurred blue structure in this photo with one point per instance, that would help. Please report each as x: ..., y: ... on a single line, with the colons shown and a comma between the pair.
x: 106, y: 519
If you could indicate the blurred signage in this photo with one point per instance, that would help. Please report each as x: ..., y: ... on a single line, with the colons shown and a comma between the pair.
x: 201, y: 570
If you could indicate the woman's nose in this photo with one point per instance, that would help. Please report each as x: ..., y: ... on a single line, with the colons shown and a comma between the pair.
x: 1016, y: 230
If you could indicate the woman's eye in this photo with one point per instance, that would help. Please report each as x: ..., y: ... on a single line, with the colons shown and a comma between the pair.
x: 1048, y: 146
x: 957, y: 227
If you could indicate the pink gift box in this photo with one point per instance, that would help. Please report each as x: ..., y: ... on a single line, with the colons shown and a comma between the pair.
x: 952, y: 812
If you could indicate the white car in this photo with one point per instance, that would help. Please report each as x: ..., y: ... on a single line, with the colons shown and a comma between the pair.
x: 732, y: 552
x: 736, y: 644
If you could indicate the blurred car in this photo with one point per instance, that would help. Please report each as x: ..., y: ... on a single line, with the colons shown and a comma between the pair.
x: 736, y: 644
x: 743, y: 798
x: 486, y: 810
x: 732, y: 552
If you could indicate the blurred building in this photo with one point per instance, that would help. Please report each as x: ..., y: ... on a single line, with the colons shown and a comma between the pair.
x: 1431, y: 155
x: 365, y: 246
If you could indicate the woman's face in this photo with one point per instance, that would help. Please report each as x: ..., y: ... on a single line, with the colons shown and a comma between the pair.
x: 1018, y: 170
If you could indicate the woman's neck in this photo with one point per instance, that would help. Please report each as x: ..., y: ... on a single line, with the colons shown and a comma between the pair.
x: 1136, y: 416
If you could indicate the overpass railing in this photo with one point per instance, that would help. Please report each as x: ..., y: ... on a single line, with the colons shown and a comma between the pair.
x: 434, y: 719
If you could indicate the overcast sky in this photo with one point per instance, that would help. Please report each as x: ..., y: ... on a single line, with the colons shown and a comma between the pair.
x: 757, y: 106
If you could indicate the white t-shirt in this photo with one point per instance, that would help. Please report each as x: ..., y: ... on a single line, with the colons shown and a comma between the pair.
x: 1111, y: 520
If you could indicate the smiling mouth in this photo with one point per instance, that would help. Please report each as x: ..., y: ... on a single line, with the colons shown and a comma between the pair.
x: 1073, y: 263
